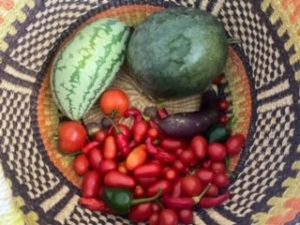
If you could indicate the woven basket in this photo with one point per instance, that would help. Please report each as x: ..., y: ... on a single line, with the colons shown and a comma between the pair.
x: 262, y: 82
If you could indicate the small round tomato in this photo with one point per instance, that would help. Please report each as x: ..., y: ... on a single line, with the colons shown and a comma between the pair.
x: 223, y: 105
x: 114, y: 101
x: 213, y: 191
x: 171, y: 174
x: 218, y: 167
x: 188, y: 158
x: 221, y: 180
x: 224, y: 120
x: 154, y: 219
x: 179, y: 167
x: 81, y: 165
x: 72, y: 137
x: 168, y: 217
x: 186, y: 216
x: 153, y: 133
x: 139, y: 192
x: 191, y: 186
x: 156, y: 207
x: 100, y: 136
x: 235, y: 144
x: 179, y: 151
x: 205, y: 175
x: 217, y: 152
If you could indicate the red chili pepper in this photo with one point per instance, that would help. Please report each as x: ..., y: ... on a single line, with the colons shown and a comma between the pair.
x: 146, y: 182
x: 90, y: 146
x: 184, y: 202
x: 124, y: 131
x: 133, y: 145
x: 148, y: 170
x: 94, y: 205
x: 152, y: 150
x: 141, y: 212
x: 164, y: 157
x: 210, y: 202
x: 153, y: 124
x: 179, y: 202
x: 119, y: 180
x: 140, y: 129
x: 91, y: 184
x: 123, y: 145
x: 177, y: 189
x: 163, y: 113
x: 134, y: 112
x: 163, y: 185
x: 172, y: 144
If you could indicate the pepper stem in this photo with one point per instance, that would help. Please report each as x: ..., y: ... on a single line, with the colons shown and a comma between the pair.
x: 119, y: 132
x: 198, y: 198
x: 146, y: 200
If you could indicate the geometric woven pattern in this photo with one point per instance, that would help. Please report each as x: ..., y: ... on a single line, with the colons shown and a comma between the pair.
x: 267, y: 177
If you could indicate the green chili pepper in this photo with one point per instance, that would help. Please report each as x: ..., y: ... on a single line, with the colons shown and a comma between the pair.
x: 121, y: 200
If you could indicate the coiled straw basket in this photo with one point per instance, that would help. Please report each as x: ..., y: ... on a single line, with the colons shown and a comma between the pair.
x: 38, y: 185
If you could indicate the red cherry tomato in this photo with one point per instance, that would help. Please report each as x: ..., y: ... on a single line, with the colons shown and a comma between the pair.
x: 224, y: 120
x: 106, y: 166
x: 110, y: 149
x: 221, y: 180
x: 188, y: 158
x: 218, y: 167
x: 179, y: 167
x: 95, y: 158
x: 213, y: 191
x: 139, y: 192
x: 235, y: 144
x: 72, y: 137
x: 154, y: 219
x: 100, y: 136
x: 219, y: 80
x: 207, y: 164
x: 168, y: 217
x: 81, y: 165
x: 186, y: 216
x: 179, y: 151
x: 205, y: 175
x: 191, y: 186
x: 153, y: 133
x: 114, y: 101
x: 171, y: 174
x: 199, y: 146
x: 156, y: 207
x: 217, y: 152
x: 223, y: 105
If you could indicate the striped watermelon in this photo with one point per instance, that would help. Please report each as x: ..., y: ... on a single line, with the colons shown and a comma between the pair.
x: 87, y: 65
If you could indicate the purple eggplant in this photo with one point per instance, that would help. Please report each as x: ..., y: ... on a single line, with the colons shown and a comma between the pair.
x: 187, y: 125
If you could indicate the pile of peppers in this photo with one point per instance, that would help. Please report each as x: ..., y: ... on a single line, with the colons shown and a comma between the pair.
x: 141, y: 173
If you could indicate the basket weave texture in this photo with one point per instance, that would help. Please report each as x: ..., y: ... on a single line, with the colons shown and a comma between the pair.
x: 38, y: 186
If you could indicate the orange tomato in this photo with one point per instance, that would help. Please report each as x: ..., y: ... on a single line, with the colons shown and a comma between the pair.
x: 137, y: 157
x: 114, y: 101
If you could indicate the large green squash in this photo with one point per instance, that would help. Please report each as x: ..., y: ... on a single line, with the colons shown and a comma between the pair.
x: 177, y: 52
